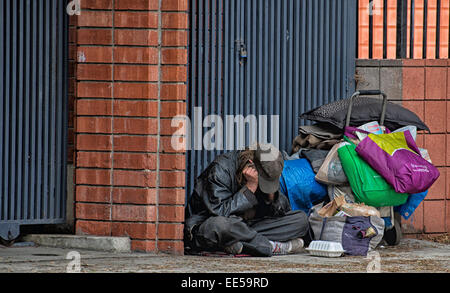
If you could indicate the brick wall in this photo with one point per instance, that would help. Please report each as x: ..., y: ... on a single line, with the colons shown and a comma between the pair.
x: 391, y: 20
x: 128, y: 82
x: 422, y: 86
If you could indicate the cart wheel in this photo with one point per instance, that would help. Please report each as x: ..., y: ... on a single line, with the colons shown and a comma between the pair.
x: 393, y: 235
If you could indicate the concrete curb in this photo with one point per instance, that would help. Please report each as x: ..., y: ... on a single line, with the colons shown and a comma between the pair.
x: 100, y: 243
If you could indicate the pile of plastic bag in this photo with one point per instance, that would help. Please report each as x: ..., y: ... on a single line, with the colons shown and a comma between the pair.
x: 351, y: 184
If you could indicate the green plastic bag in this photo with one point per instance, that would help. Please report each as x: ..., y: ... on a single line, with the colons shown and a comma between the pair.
x: 368, y: 186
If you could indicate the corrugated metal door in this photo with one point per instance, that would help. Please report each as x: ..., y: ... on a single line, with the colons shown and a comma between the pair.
x: 33, y: 38
x: 264, y: 57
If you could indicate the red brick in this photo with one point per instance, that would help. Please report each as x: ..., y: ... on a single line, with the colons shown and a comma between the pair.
x: 172, y: 247
x: 434, y: 216
x: 134, y: 178
x: 135, y: 161
x: 174, y: 20
x: 413, y: 83
x: 96, y: 4
x: 420, y: 140
x: 174, y: 5
x: 135, y: 143
x: 72, y: 68
x: 436, y: 83
x: 177, y: 128
x: 174, y: 38
x: 134, y: 213
x: 72, y: 82
x: 447, y: 217
x: 174, y: 73
x: 172, y: 109
x: 95, y: 18
x: 413, y: 62
x: 136, y: 19
x: 415, y: 223
x: 172, y: 196
x: 447, y: 173
x: 173, y: 92
x: 94, y: 54
x: 135, y: 90
x: 70, y: 136
x: 171, y: 213
x: 70, y: 154
x: 436, y: 146
x: 448, y: 116
x: 135, y: 126
x: 437, y: 190
x: 88, y: 142
x: 172, y: 162
x: 134, y: 230
x: 92, y: 228
x: 87, y: 36
x: 93, y: 125
x: 71, y: 118
x: 172, y: 179
x: 136, y: 108
x: 72, y: 35
x: 94, y: 89
x: 143, y: 245
x: 73, y: 20
x: 94, y: 107
x: 170, y: 231
x: 136, y: 55
x: 72, y: 52
x: 93, y: 159
x: 436, y: 116
x: 167, y: 147
x: 448, y: 154
x: 174, y: 144
x: 415, y: 106
x: 94, y: 72
x: 448, y: 82
x: 436, y: 62
x: 134, y: 195
x: 136, y: 72
x: 137, y: 4
x: 92, y: 193
x: 93, y: 176
x: 173, y: 56
x: 136, y: 37
x: 90, y: 211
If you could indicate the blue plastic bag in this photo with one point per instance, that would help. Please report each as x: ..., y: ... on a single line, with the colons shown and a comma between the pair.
x: 298, y: 183
x: 408, y: 208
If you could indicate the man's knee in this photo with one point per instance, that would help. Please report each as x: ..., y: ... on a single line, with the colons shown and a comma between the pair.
x: 218, y: 223
x: 299, y: 220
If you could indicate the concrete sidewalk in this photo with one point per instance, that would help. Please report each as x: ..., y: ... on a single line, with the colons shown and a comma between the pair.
x: 410, y: 256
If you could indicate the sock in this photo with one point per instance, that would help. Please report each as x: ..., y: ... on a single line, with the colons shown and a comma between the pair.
x: 280, y: 247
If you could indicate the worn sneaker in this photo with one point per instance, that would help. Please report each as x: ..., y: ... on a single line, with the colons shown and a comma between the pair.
x: 288, y: 247
x: 234, y: 249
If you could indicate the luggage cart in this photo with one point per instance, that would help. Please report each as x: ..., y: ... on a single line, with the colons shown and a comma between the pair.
x: 392, y: 235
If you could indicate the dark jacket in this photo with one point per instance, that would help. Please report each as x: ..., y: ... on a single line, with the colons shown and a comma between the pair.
x: 218, y: 193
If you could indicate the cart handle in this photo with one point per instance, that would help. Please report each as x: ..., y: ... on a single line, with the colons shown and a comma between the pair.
x: 367, y: 93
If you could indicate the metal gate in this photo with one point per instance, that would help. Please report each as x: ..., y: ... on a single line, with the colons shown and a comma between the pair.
x: 33, y: 109
x: 268, y: 60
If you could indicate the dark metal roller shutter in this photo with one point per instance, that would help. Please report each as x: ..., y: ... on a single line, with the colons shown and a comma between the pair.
x: 33, y: 110
x: 300, y: 54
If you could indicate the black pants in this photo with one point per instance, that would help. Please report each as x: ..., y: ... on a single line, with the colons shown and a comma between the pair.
x: 216, y: 233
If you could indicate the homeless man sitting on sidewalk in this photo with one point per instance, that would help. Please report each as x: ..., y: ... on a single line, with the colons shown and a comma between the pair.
x: 236, y: 207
